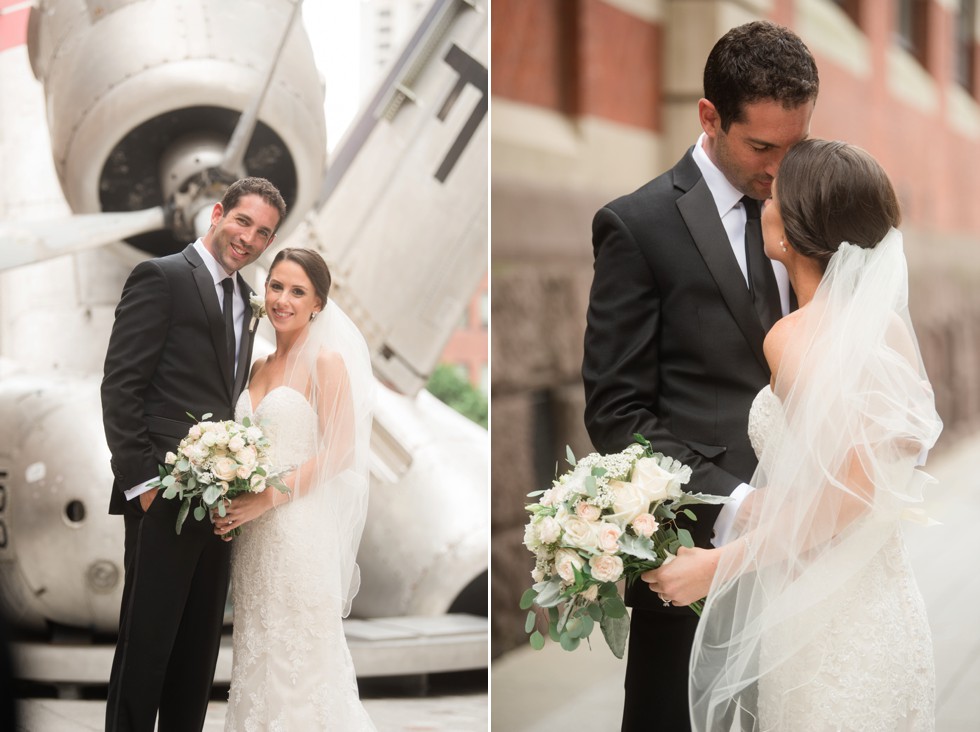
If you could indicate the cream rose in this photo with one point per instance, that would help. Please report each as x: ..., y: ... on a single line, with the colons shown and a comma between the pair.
x: 606, y: 568
x: 587, y: 511
x: 649, y: 484
x: 609, y: 536
x: 565, y: 561
x: 591, y: 594
x: 531, y: 539
x: 248, y: 457
x: 257, y: 484
x: 225, y: 468
x: 253, y: 433
x: 209, y: 439
x: 170, y: 458
x: 194, y: 432
x: 581, y: 533
x: 236, y: 443
x: 645, y: 525
x: 548, y: 530
x: 653, y: 480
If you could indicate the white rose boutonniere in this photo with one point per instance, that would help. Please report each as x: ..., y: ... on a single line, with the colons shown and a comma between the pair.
x: 258, y: 311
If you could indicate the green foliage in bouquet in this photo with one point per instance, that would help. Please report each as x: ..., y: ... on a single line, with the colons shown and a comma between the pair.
x: 609, y: 518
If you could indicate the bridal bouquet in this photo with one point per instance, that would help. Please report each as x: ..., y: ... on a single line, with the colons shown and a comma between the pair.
x: 610, y: 517
x: 216, y: 462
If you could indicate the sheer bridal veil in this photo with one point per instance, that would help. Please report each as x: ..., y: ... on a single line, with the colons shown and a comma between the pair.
x: 834, y: 480
x: 332, y: 367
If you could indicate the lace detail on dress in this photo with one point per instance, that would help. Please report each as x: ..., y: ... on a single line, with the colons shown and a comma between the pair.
x: 870, y: 666
x: 291, y: 668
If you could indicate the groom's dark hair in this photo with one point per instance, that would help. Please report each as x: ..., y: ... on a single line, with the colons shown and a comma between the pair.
x: 758, y: 61
x: 253, y: 186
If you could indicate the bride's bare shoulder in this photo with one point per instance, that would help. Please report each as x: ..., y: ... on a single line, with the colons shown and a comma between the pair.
x: 778, y: 344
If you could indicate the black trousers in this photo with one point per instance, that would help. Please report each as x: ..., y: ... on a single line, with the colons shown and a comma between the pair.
x: 170, y: 622
x: 657, y: 671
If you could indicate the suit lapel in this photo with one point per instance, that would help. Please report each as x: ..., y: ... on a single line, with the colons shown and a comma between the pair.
x: 700, y: 214
x: 212, y: 309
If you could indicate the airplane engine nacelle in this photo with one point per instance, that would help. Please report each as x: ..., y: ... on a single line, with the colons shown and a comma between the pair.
x: 143, y: 94
x: 60, y: 550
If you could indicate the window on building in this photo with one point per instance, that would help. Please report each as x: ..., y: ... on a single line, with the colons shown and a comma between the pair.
x: 912, y: 20
x: 966, y: 45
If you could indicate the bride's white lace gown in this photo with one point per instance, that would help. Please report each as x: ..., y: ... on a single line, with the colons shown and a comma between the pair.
x: 292, y: 670
x: 870, y: 667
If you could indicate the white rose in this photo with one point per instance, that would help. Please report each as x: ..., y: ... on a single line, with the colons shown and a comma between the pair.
x: 223, y: 439
x: 548, y: 530
x: 653, y: 480
x: 225, y: 468
x: 194, y: 432
x: 628, y: 502
x: 236, y: 443
x: 606, y: 568
x: 537, y: 574
x: 257, y: 484
x: 645, y: 525
x: 169, y: 458
x: 548, y: 497
x: 591, y: 594
x: 531, y: 539
x: 565, y: 560
x: 209, y: 438
x: 581, y: 533
x: 609, y: 536
x: 587, y: 511
x: 248, y: 458
x: 253, y: 433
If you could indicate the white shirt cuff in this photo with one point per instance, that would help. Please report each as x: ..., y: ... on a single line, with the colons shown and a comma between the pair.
x: 724, y: 524
x: 137, y: 490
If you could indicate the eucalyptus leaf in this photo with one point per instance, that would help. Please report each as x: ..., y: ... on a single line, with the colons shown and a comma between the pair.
x: 570, y: 456
x: 638, y: 546
x: 614, y: 607
x: 574, y: 627
x: 530, y: 622
x: 211, y: 494
x: 170, y: 492
x: 537, y: 641
x: 168, y: 481
x: 183, y: 465
x: 690, y: 514
x: 549, y: 592
x: 616, y: 631
x: 185, y: 506
x: 568, y: 642
x: 590, y: 488
x: 223, y: 511
x: 595, y: 612
x: 553, y: 632
x: 588, y: 625
x: 200, y: 512
x: 684, y: 536
x: 527, y: 599
x: 608, y: 589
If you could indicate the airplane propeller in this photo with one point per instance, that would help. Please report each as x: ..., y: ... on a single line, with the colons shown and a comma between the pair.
x: 26, y: 242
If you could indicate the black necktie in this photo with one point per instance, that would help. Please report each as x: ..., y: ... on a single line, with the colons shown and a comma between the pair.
x: 762, y: 281
x: 229, y: 308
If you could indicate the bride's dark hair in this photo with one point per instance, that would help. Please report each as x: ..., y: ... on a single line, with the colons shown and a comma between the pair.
x: 314, y: 266
x: 830, y: 192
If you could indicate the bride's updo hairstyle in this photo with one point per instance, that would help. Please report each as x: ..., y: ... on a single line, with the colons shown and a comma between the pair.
x: 314, y: 266
x: 830, y: 192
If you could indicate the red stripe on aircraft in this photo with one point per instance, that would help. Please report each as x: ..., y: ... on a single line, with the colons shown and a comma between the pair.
x: 13, y: 26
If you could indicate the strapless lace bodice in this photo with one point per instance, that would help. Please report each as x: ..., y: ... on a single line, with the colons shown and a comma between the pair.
x: 286, y: 419
x: 291, y: 667
x: 764, y: 417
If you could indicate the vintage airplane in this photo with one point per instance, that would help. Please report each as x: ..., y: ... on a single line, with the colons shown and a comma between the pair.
x: 152, y: 107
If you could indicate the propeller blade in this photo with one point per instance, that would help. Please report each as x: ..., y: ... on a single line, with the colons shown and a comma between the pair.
x: 233, y: 162
x: 25, y: 242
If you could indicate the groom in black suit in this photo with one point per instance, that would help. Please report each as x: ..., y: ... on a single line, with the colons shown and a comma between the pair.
x: 180, y: 343
x: 681, y: 300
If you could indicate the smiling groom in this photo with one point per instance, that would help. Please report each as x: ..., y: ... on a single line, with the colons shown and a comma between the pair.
x: 180, y: 343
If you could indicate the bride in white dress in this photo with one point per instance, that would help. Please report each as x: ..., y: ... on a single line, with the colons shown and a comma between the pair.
x: 293, y: 566
x: 813, y: 619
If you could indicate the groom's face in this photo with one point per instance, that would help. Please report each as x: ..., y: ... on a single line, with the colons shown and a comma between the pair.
x: 750, y: 151
x: 240, y: 235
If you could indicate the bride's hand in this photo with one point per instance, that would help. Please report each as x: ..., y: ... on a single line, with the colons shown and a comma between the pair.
x: 686, y: 579
x: 241, y: 510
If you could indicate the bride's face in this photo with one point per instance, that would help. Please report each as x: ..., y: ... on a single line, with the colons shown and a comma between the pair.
x: 773, y: 233
x: 290, y: 299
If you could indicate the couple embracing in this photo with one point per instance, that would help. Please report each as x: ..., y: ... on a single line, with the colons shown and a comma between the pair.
x: 749, y: 316
x: 182, y: 343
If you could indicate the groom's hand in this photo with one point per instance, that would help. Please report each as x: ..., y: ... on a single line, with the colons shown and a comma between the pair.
x: 147, y: 498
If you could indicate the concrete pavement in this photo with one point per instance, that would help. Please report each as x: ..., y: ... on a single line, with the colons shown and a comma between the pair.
x: 555, y: 691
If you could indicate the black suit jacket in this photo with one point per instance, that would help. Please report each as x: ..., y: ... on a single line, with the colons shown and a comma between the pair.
x: 166, y: 357
x: 673, y: 345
